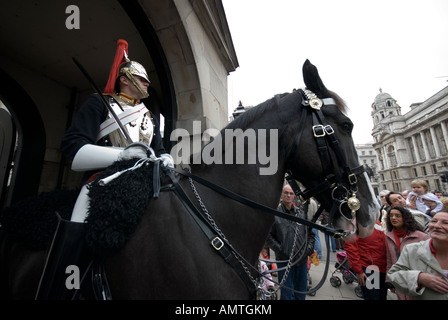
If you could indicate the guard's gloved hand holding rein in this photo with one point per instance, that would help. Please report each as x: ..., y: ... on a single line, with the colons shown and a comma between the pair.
x: 137, y: 150
x: 140, y: 150
x: 167, y: 160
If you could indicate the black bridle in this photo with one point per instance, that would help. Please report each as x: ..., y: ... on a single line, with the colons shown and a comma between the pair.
x: 326, y: 140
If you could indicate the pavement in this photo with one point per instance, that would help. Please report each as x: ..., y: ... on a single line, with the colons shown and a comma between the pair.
x: 328, y: 291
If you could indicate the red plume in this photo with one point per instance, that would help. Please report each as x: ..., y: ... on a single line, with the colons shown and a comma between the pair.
x: 120, y: 58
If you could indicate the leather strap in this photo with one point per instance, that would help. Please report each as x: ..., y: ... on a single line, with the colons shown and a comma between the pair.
x: 219, y: 244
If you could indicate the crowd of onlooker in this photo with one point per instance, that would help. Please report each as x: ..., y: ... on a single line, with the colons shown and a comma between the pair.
x: 407, y: 252
x: 408, y: 249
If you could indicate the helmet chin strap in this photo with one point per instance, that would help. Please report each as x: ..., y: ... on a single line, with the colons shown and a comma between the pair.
x: 136, y: 84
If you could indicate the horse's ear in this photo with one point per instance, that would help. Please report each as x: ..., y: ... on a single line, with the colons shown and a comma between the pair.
x: 313, y: 81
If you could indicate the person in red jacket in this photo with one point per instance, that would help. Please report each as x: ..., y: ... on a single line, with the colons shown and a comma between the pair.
x: 367, y: 258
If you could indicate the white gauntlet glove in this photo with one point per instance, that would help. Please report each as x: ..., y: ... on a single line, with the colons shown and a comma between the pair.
x: 93, y: 157
x: 167, y: 160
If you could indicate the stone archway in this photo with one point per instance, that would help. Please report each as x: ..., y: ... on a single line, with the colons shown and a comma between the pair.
x: 30, y: 148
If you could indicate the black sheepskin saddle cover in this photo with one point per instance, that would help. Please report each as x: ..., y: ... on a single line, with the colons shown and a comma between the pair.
x: 115, y: 210
x: 117, y: 207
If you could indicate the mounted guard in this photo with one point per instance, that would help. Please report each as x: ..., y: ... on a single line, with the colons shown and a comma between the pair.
x: 115, y: 125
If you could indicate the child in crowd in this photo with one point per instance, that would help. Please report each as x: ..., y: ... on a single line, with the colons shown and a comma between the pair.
x: 268, y: 292
x: 431, y: 201
x: 419, y: 194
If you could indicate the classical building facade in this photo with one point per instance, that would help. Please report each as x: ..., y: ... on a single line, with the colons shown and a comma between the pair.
x: 412, y: 145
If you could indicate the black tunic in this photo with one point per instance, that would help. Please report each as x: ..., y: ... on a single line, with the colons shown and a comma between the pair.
x: 86, y: 125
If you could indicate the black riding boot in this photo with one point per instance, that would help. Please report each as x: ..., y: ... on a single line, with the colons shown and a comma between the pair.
x: 58, y: 282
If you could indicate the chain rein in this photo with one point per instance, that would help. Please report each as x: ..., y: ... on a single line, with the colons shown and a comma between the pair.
x: 220, y: 233
x: 257, y: 284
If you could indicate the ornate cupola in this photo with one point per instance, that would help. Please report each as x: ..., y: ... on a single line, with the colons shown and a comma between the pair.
x: 384, y: 106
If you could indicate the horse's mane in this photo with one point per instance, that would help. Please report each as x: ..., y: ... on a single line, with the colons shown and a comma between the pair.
x: 250, y: 115
x: 339, y: 102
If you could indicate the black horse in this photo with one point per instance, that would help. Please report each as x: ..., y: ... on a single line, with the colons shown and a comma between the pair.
x: 169, y: 257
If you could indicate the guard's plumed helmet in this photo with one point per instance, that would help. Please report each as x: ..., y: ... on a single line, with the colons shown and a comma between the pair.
x: 133, y: 68
x: 122, y: 66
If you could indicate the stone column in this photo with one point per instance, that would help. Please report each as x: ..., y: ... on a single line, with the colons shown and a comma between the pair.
x: 445, y: 133
x: 417, y: 155
x: 434, y: 140
x: 425, y: 147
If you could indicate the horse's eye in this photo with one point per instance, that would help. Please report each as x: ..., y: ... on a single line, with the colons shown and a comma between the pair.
x: 347, y: 126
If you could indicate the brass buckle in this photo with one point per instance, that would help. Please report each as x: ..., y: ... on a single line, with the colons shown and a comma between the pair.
x: 217, y: 243
x: 338, y: 235
x: 320, y: 132
x: 352, y: 178
x: 329, y: 129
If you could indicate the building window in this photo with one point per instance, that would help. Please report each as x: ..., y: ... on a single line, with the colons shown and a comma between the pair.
x: 433, y: 168
x: 424, y: 171
x: 439, y: 186
x: 415, y: 172
x: 395, y: 175
x: 392, y: 157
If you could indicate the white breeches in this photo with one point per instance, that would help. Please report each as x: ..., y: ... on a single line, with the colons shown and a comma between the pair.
x: 81, y: 206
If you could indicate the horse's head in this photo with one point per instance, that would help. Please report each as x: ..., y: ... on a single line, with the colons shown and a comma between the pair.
x: 321, y: 154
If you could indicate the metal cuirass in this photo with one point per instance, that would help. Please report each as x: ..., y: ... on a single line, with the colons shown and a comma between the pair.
x: 136, y: 119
